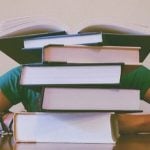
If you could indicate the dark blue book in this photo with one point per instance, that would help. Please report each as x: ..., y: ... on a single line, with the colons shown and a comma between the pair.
x: 12, y: 46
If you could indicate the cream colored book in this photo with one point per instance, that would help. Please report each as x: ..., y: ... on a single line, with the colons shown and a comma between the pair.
x: 91, y: 54
x: 66, y: 127
x: 71, y: 74
x: 90, y: 99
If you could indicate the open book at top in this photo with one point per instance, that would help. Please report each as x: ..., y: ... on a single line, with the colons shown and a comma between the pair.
x: 37, y: 25
x: 29, y: 25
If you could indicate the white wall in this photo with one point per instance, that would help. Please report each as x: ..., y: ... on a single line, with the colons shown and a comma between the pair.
x: 75, y: 13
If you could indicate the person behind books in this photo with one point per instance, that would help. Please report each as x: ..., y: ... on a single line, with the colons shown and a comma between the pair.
x: 12, y: 93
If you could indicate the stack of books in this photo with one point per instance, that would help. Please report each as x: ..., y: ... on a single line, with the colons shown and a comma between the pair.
x: 80, y: 76
x: 81, y: 94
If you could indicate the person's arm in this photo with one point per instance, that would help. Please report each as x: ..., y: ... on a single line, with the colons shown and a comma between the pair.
x: 9, y: 88
x: 133, y: 124
x: 8, y: 96
x: 5, y: 104
x: 7, y: 117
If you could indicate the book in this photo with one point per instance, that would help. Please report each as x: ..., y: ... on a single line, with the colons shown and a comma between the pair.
x: 12, y: 47
x: 68, y: 39
x: 22, y: 27
x: 25, y: 25
x: 71, y: 74
x: 91, y: 54
x: 90, y: 99
x: 37, y: 24
x: 66, y: 127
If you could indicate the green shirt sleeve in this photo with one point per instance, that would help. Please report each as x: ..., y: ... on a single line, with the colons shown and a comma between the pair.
x: 29, y: 96
x: 137, y: 79
x: 9, y: 84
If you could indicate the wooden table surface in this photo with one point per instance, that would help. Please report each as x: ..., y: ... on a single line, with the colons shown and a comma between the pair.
x: 126, y: 142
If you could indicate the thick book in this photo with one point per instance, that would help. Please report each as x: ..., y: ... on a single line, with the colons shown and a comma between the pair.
x: 91, y: 54
x: 90, y: 99
x: 71, y: 74
x: 66, y: 127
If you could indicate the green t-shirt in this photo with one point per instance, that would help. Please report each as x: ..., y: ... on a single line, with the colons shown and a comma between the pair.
x: 137, y: 79
x: 31, y: 96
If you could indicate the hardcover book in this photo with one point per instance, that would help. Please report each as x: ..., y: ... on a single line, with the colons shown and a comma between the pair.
x: 66, y: 127
x: 90, y: 99
x: 91, y: 54
x: 71, y: 74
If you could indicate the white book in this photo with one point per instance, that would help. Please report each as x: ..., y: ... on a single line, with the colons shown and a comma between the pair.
x: 66, y: 127
x: 79, y: 74
x: 90, y: 99
x: 90, y: 54
x: 73, y: 39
